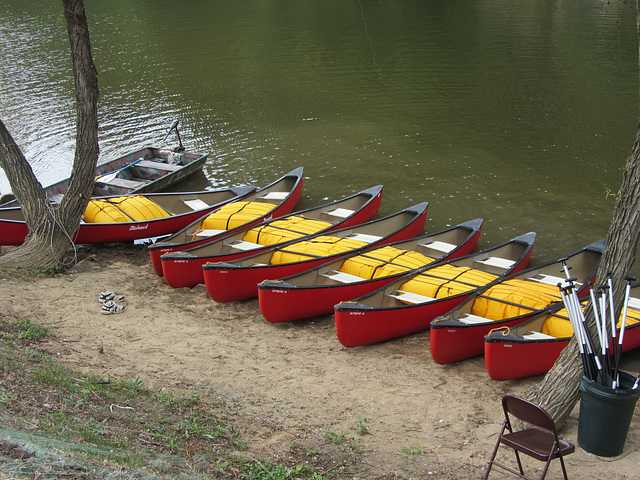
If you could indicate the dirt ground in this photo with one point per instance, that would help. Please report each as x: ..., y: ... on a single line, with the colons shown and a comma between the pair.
x: 287, y: 382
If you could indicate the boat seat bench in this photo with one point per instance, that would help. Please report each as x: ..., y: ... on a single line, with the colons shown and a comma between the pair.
x: 409, y: 297
x: 273, y: 196
x: 124, y: 183
x: 538, y: 336
x: 363, y: 237
x: 470, y: 319
x: 158, y: 165
x: 342, y: 277
x: 208, y: 232
x: 496, y: 262
x: 547, y: 279
x: 242, y: 245
x: 195, y: 203
x: 443, y: 247
x: 339, y: 212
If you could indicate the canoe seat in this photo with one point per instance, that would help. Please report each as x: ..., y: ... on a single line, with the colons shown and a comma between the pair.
x: 469, y: 319
x: 124, y: 183
x: 342, y: 277
x: 195, y: 203
x: 339, y: 212
x: 443, y: 247
x: 496, y: 262
x: 409, y: 297
x: 209, y: 232
x: 242, y: 245
x: 538, y: 336
x: 158, y: 165
x: 548, y: 279
x: 634, y: 303
x: 363, y: 237
x: 274, y: 196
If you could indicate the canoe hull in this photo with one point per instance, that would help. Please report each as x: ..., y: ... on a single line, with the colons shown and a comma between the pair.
x: 159, y: 169
x: 280, y: 304
x: 525, y: 350
x: 378, y: 316
x: 227, y: 282
x: 15, y: 232
x: 281, y: 301
x: 185, y: 269
x: 355, y: 328
x: 453, y: 343
x: 283, y: 208
x: 506, y: 360
x: 453, y: 340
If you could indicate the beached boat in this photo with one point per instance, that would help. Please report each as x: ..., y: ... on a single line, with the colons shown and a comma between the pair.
x: 184, y: 269
x: 276, y: 199
x: 314, y: 292
x: 130, y: 217
x: 147, y: 170
x: 532, y: 347
x: 407, y: 305
x: 460, y: 333
x: 238, y: 280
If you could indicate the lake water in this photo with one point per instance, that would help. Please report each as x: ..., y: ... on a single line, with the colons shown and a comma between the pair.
x: 522, y: 113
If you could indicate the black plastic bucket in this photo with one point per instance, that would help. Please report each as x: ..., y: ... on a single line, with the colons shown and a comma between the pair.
x: 605, y: 415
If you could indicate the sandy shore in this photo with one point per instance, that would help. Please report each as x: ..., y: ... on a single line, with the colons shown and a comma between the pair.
x: 287, y: 382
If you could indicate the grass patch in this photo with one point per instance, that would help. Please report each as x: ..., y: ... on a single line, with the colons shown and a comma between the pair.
x: 415, y: 449
x: 126, y: 426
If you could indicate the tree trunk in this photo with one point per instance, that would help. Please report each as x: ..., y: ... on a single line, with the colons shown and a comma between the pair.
x: 51, y: 227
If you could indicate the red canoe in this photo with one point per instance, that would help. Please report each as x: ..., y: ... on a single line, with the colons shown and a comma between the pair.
x: 283, y: 194
x: 459, y: 334
x: 238, y: 280
x: 531, y: 347
x: 173, y: 211
x: 401, y: 308
x: 184, y: 269
x: 315, y: 292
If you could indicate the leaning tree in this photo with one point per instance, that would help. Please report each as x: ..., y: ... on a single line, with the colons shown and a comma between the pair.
x: 51, y: 227
x: 559, y: 390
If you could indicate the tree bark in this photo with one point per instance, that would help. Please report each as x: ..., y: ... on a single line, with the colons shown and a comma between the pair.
x: 51, y: 227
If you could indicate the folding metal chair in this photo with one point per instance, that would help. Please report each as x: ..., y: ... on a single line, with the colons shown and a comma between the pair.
x: 538, y: 440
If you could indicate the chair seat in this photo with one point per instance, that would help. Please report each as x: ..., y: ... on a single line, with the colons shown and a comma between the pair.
x: 536, y: 443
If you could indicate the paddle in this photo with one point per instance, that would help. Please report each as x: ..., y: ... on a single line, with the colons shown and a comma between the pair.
x: 107, y: 177
x: 624, y: 321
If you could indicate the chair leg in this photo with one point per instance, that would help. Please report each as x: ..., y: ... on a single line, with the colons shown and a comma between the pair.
x: 564, y: 470
x: 546, y: 467
x: 493, y: 456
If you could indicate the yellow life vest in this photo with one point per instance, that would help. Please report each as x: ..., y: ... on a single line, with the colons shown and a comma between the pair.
x: 561, y: 327
x: 447, y: 280
x: 556, y: 326
x: 288, y: 228
x: 513, y: 298
x: 235, y: 214
x: 322, y: 246
x: 383, y: 262
x: 123, y: 209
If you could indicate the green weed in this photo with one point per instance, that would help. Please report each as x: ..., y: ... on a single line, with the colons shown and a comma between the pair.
x: 276, y: 471
x: 416, y: 449
x: 341, y: 439
x: 361, y: 427
x: 136, y: 385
